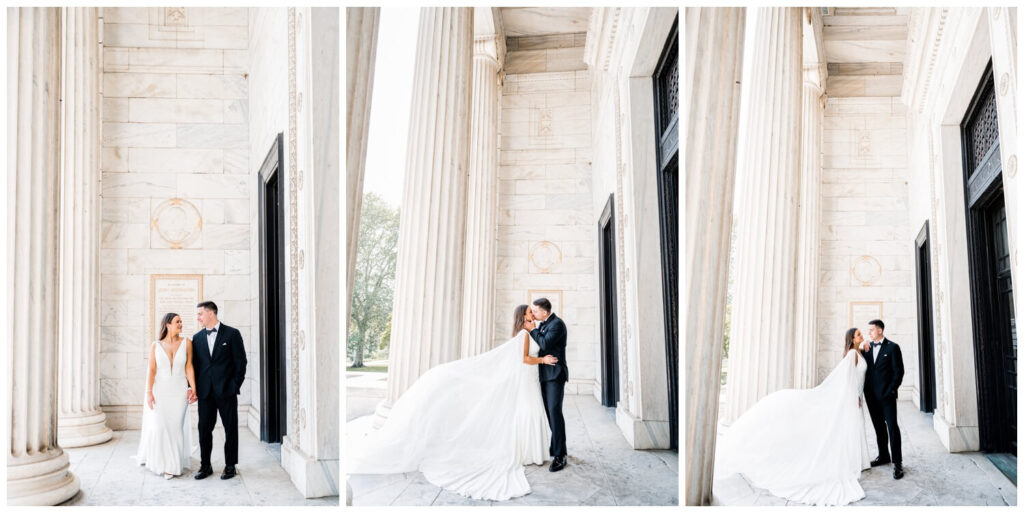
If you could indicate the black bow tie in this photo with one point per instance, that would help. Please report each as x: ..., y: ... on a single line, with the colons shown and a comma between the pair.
x: 214, y: 330
x: 873, y: 344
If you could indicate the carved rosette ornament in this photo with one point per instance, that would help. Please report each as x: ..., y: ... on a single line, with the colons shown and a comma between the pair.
x: 178, y: 222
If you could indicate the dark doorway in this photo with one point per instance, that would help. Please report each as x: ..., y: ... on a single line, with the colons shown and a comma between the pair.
x: 995, y: 334
x: 925, y: 344
x: 272, y: 287
x: 609, y: 312
x: 666, y: 117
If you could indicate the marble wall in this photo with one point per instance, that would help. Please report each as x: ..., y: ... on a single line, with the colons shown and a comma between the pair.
x: 866, y: 251
x: 175, y: 127
x: 546, y: 234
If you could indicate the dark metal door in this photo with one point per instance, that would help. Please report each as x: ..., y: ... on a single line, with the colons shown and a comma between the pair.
x: 666, y: 115
x: 995, y: 338
x: 926, y: 344
x: 272, y: 315
x: 609, y: 311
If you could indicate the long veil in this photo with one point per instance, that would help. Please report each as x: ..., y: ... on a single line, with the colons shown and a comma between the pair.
x: 807, y: 445
x: 456, y: 424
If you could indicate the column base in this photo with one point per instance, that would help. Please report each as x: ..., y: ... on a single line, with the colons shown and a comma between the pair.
x: 40, y: 479
x: 642, y: 433
x: 313, y: 477
x: 956, y: 438
x: 83, y: 429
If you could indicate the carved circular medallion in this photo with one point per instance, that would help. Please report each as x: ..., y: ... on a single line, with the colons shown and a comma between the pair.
x: 177, y: 222
x: 866, y: 270
x: 1011, y: 166
x: 545, y: 255
x: 1004, y: 84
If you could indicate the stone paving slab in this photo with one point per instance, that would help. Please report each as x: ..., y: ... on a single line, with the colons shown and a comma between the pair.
x: 110, y: 477
x: 934, y: 476
x: 603, y: 470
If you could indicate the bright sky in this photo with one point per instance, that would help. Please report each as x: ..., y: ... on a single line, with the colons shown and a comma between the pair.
x: 392, y: 94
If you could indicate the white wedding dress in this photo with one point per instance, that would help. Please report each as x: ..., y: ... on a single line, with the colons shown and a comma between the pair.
x: 469, y: 425
x: 807, y: 445
x: 165, y: 441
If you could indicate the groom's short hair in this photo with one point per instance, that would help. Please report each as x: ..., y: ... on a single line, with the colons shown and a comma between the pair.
x: 209, y: 305
x: 543, y: 303
x: 879, y: 323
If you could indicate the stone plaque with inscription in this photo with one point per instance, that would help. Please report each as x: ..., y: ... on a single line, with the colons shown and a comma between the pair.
x: 863, y: 312
x: 555, y: 296
x: 178, y: 293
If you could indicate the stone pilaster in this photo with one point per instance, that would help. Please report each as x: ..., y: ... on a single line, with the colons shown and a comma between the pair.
x: 482, y: 199
x: 37, y: 468
x: 81, y: 421
x: 427, y: 315
x: 361, y: 26
x: 805, y: 327
x: 714, y: 65
x: 761, y: 347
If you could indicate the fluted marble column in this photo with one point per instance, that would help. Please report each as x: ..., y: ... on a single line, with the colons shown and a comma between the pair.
x: 805, y: 327
x: 714, y: 65
x: 482, y: 199
x: 361, y: 26
x: 762, y: 337
x: 427, y: 315
x: 81, y: 421
x: 37, y: 468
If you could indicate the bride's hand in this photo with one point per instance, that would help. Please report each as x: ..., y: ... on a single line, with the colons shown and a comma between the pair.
x: 151, y: 400
x: 549, y: 360
x: 858, y: 402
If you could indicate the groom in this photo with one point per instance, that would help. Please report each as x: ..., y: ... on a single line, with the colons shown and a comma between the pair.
x: 883, y: 378
x: 551, y: 337
x: 218, y: 358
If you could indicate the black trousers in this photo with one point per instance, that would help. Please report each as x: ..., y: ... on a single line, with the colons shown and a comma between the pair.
x: 227, y: 406
x: 887, y: 432
x: 553, y: 392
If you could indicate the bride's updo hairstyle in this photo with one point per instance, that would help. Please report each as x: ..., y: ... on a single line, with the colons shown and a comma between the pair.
x: 163, y: 324
x: 518, y: 319
x: 850, y: 333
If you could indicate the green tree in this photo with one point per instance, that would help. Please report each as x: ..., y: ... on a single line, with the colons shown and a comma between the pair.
x: 373, y: 290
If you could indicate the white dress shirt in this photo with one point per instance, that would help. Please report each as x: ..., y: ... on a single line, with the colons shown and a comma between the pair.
x: 874, y: 351
x: 211, y: 338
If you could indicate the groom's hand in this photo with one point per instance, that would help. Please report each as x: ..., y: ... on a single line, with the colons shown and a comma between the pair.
x: 529, y: 325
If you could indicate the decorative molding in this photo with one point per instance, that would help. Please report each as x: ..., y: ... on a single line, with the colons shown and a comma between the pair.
x: 926, y: 29
x: 600, y: 44
x: 620, y: 254
x: 296, y: 424
x: 178, y: 222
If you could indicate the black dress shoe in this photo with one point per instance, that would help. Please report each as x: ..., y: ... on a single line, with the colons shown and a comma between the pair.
x: 204, y: 472
x: 557, y: 464
x: 897, y: 472
x: 229, y: 472
x: 880, y: 461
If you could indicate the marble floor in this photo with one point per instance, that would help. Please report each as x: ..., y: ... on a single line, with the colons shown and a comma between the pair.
x: 934, y: 477
x: 603, y: 470
x: 110, y: 477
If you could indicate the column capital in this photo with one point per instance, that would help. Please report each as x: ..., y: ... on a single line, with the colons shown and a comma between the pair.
x: 490, y: 47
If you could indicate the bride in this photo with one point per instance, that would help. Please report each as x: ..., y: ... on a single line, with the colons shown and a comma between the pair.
x: 807, y: 445
x: 165, y: 440
x: 469, y: 425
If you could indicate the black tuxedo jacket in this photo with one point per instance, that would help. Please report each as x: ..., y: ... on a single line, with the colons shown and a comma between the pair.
x: 885, y: 373
x: 222, y: 372
x: 551, y: 337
